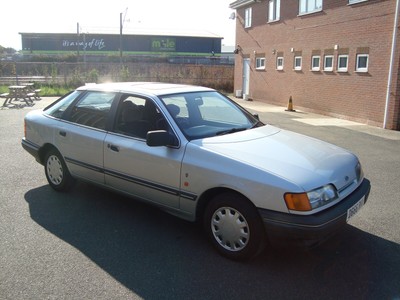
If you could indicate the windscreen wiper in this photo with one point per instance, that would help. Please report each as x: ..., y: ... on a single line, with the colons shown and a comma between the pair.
x: 231, y: 130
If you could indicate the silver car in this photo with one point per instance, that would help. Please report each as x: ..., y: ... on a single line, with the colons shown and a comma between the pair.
x: 200, y: 156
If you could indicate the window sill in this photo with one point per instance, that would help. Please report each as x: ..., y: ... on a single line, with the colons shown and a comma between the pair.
x: 361, y: 72
x: 357, y: 2
x: 310, y: 12
x: 273, y: 21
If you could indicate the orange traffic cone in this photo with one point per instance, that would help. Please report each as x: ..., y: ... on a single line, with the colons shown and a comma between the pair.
x: 290, y: 105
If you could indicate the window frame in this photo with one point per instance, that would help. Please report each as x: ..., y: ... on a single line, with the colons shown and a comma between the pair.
x: 248, y: 17
x: 329, y: 69
x: 343, y: 69
x: 307, y: 9
x: 295, y: 66
x: 279, y: 67
x: 362, y: 69
x: 313, y: 67
x: 260, y: 63
x: 274, y: 10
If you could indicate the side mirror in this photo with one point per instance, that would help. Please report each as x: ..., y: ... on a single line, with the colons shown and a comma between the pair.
x: 256, y: 116
x: 159, y: 138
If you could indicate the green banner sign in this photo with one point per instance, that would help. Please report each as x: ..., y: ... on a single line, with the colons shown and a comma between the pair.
x: 163, y: 44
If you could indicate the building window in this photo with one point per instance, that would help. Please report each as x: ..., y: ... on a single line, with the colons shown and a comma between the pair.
x: 247, y: 17
x: 274, y: 8
x: 279, y: 63
x: 297, y: 63
x: 362, y: 63
x: 328, y: 63
x: 309, y: 6
x: 343, y: 62
x: 260, y: 63
x: 315, y: 63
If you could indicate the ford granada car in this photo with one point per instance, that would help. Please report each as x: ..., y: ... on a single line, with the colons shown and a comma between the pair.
x: 198, y: 155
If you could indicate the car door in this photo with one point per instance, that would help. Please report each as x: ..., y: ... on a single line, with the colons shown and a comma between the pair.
x: 80, y: 139
x: 150, y: 173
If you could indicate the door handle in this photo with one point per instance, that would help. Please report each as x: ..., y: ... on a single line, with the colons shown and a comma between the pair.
x: 113, y: 147
x: 63, y: 133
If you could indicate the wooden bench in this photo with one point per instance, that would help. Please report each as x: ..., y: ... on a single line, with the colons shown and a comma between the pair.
x: 37, y: 96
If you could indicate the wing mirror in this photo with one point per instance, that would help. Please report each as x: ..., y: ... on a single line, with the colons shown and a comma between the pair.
x: 159, y: 138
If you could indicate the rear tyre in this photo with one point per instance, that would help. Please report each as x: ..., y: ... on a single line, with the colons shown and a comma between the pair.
x: 56, y: 172
x: 234, y: 226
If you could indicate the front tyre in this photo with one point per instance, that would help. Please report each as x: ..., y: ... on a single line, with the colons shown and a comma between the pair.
x: 56, y: 171
x: 234, y: 226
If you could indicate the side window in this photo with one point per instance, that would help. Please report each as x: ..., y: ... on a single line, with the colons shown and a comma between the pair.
x: 58, y: 108
x: 92, y: 110
x: 136, y: 116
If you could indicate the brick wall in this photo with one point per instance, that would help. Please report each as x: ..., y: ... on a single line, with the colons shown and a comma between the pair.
x: 338, y: 29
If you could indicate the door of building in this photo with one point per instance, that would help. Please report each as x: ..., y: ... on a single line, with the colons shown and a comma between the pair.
x: 246, y: 77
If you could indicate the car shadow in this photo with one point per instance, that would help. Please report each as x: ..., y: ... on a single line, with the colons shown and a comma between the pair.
x: 156, y: 255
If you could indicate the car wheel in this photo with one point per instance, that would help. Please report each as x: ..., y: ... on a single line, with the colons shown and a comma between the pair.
x: 56, y: 171
x: 234, y: 226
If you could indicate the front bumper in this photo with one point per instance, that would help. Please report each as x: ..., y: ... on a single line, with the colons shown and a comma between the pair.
x: 311, y: 230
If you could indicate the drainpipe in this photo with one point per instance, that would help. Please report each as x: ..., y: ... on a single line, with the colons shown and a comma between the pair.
x: 394, y: 40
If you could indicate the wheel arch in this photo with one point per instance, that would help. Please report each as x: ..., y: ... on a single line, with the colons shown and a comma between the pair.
x: 44, y: 150
x: 208, y: 195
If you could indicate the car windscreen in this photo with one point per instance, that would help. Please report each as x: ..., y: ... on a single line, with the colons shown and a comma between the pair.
x: 207, y: 114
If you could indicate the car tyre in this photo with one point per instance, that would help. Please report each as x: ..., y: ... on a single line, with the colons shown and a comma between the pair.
x: 57, y: 173
x: 234, y: 226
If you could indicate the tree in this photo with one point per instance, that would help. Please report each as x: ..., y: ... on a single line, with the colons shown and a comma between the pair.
x: 7, y: 51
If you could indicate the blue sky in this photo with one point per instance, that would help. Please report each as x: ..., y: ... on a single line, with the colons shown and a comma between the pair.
x: 93, y: 17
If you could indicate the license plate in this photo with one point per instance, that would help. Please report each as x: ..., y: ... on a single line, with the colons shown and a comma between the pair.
x: 355, y: 208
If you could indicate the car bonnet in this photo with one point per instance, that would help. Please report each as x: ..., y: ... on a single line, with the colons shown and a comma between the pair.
x: 304, y: 161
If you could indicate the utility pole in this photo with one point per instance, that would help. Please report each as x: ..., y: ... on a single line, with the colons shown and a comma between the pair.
x: 120, y: 38
x: 77, y: 33
x: 121, y: 25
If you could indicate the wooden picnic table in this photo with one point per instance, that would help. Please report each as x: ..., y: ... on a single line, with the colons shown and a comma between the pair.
x: 30, y: 87
x: 18, y: 92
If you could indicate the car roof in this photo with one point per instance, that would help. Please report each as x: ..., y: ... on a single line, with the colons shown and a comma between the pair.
x: 153, y: 88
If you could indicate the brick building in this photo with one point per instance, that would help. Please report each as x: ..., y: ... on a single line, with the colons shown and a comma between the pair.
x: 335, y: 57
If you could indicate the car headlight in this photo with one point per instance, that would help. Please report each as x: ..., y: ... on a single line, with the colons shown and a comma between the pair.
x: 311, y: 200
